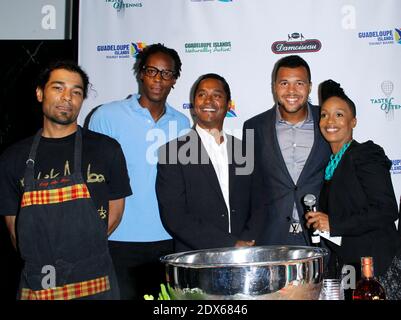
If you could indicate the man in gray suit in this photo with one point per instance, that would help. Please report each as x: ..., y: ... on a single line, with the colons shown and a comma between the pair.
x: 290, y: 153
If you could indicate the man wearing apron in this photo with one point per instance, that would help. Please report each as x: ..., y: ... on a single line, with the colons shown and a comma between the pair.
x: 63, y: 193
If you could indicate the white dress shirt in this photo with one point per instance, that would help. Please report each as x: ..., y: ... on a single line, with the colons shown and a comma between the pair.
x: 218, y: 154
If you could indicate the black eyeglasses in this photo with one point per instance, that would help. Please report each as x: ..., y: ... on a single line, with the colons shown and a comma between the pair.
x: 152, y: 72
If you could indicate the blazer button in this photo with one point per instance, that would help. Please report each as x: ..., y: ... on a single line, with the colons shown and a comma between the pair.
x: 296, y: 188
x: 233, y: 211
x: 223, y: 215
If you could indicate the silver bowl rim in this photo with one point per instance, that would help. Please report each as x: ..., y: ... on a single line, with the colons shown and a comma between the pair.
x: 169, y: 259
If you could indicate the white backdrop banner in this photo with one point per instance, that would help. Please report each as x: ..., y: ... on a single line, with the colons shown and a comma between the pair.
x: 355, y: 42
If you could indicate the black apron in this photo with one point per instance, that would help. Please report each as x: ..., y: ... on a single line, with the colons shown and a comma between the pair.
x: 61, y: 237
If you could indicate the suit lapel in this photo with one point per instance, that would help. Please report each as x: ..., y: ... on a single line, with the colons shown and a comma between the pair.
x: 231, y: 163
x: 208, y: 168
x: 269, y: 130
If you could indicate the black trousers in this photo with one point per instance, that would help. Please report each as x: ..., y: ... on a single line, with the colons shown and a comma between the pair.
x: 138, y: 268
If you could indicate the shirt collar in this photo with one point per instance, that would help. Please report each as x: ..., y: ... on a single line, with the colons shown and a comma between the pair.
x: 134, y: 102
x: 206, y: 137
x: 309, y: 117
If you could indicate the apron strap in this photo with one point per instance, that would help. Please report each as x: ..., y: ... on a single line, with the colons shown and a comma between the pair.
x: 78, y: 151
x: 30, y: 163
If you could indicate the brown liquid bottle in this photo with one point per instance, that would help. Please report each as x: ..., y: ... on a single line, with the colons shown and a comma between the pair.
x: 368, y: 288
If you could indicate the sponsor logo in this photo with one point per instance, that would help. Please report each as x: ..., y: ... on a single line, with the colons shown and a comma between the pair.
x: 387, y: 103
x: 114, y: 51
x: 396, y: 166
x: 231, y: 112
x: 208, y: 47
x: 187, y: 106
x: 398, y: 35
x: 296, y: 43
x: 377, y: 37
x: 121, y: 4
x: 137, y: 47
x: 121, y: 51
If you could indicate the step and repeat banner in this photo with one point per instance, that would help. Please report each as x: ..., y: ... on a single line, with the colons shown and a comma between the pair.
x: 355, y: 42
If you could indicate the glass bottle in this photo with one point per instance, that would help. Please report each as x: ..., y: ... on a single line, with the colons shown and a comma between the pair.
x: 368, y: 288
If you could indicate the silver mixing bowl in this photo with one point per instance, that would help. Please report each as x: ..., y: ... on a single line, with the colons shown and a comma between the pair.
x: 252, y: 273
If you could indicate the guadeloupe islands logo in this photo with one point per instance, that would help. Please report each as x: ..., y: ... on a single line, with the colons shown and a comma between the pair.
x: 231, y: 112
x: 208, y: 47
x: 121, y: 50
x: 396, y: 166
x: 137, y: 47
x: 398, y: 35
x: 381, y: 37
x: 296, y: 43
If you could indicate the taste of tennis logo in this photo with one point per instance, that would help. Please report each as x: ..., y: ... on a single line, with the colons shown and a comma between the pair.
x: 121, y: 4
x: 387, y: 103
x: 296, y: 43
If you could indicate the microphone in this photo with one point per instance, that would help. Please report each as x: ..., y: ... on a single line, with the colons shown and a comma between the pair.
x: 310, y: 205
x: 310, y: 202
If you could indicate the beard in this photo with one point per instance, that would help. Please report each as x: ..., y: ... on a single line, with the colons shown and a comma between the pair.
x: 293, y: 109
x: 64, y: 119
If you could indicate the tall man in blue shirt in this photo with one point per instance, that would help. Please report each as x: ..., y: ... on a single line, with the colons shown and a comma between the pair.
x: 290, y: 153
x: 142, y: 123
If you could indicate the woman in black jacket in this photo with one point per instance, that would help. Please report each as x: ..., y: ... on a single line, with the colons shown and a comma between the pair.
x: 357, y: 201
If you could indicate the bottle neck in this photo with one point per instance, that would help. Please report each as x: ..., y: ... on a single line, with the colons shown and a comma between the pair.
x: 367, y: 267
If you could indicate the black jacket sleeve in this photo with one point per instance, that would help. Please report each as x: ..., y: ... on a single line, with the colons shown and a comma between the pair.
x: 370, y: 203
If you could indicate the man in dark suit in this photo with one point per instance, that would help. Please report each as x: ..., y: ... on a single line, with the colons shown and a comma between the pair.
x: 203, y: 181
x: 290, y: 153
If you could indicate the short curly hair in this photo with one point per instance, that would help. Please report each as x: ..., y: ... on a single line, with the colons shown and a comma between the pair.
x: 143, y: 56
x: 293, y: 61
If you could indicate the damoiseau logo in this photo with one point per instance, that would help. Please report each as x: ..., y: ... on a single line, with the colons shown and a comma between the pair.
x: 121, y: 4
x: 137, y: 47
x: 386, y: 103
x: 296, y: 43
x: 396, y: 166
x: 378, y: 37
x: 230, y: 114
x: 208, y: 47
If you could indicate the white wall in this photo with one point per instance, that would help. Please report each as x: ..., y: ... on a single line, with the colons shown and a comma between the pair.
x: 248, y: 28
